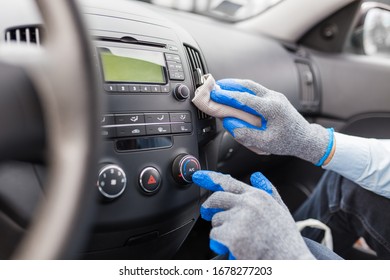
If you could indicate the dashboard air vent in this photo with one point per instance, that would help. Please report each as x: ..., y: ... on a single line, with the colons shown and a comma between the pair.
x: 198, y: 70
x: 309, y: 97
x: 31, y: 34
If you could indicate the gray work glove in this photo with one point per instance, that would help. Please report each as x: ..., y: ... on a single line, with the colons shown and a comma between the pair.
x: 283, y: 130
x: 249, y: 222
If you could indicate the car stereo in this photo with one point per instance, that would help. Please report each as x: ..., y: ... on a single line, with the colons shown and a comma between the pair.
x: 139, y: 71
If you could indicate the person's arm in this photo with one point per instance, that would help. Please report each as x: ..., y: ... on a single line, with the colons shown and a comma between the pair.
x: 265, y: 121
x: 275, y: 126
x: 364, y: 161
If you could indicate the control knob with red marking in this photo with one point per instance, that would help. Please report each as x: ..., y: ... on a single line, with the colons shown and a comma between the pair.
x: 183, y: 167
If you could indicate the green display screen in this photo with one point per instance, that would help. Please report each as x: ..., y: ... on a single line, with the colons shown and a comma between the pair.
x: 132, y: 66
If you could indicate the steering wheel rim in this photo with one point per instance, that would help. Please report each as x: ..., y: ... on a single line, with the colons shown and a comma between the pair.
x: 64, y: 77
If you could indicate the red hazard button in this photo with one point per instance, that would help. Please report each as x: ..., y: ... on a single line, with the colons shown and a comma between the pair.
x: 150, y: 179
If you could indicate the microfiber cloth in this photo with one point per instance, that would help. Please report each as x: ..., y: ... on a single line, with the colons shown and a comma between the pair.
x: 205, y: 104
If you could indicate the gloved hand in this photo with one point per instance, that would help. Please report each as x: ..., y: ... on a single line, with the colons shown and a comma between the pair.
x: 249, y: 222
x: 283, y: 131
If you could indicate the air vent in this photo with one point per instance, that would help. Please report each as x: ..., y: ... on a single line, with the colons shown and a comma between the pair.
x: 309, y: 97
x: 25, y: 34
x: 198, y: 70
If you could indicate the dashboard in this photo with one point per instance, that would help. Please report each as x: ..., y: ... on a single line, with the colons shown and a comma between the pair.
x: 154, y: 138
x: 150, y: 61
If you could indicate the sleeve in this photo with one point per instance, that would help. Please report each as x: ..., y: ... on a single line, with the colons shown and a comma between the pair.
x: 364, y: 161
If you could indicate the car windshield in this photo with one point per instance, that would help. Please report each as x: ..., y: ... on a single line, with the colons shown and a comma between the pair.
x: 227, y: 10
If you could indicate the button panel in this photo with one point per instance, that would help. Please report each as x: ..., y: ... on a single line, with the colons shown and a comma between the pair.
x: 175, y: 67
x: 138, y: 89
x: 141, y: 124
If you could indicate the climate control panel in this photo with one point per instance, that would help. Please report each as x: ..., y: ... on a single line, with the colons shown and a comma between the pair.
x: 144, y: 124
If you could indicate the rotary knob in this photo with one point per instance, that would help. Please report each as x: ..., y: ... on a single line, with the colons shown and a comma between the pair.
x: 111, y: 181
x: 181, y: 92
x: 183, y: 167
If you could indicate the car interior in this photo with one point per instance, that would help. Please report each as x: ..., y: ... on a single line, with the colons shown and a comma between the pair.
x: 99, y: 135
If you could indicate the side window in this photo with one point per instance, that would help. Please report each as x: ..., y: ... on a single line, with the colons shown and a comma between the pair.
x: 371, y: 36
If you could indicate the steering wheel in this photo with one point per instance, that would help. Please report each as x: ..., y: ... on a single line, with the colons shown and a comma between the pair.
x: 49, y: 97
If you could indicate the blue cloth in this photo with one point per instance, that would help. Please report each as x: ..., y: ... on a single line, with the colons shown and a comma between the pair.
x: 363, y: 161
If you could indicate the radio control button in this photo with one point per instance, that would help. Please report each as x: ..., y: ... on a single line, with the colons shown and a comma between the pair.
x: 123, y: 88
x: 180, y: 117
x: 181, y: 92
x: 158, y: 129
x: 157, y: 118
x: 179, y: 76
x: 165, y: 89
x: 172, y: 57
x: 181, y: 127
x: 134, y: 88
x: 145, y: 89
x: 173, y: 48
x: 174, y: 66
x: 110, y: 88
x: 179, y: 67
x: 155, y: 89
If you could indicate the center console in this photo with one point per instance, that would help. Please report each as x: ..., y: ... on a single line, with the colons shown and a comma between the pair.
x: 154, y: 138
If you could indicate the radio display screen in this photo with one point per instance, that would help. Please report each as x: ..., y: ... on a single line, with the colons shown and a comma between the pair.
x: 132, y: 66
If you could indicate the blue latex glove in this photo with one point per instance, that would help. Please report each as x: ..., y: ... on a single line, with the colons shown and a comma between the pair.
x: 283, y: 130
x: 249, y: 222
